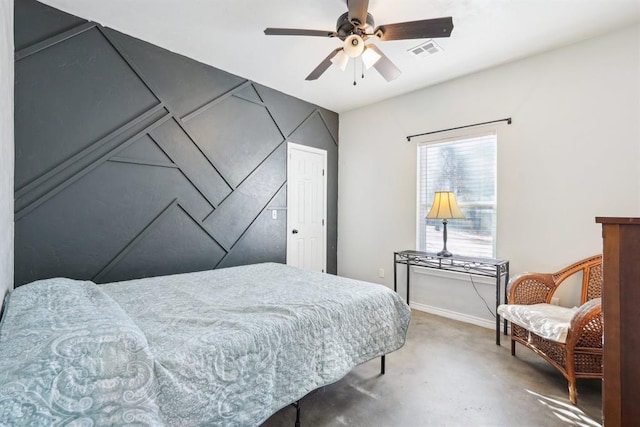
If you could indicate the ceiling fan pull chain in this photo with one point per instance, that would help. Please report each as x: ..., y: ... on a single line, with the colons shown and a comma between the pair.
x: 355, y: 64
x: 362, y: 67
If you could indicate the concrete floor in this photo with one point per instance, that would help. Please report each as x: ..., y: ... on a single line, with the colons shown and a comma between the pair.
x: 450, y: 374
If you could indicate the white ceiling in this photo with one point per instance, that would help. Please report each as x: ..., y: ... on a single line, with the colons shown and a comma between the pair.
x: 228, y: 34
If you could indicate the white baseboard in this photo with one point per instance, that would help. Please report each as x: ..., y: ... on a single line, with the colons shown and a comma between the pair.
x: 462, y: 317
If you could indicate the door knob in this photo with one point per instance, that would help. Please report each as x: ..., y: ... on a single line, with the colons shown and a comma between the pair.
x: 294, y: 231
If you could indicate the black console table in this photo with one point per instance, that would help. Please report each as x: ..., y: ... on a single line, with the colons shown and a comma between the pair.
x: 488, y: 267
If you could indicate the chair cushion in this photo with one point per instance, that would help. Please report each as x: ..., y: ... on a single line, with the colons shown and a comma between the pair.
x: 545, y: 320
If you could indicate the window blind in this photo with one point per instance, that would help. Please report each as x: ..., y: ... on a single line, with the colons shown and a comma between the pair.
x: 466, y: 166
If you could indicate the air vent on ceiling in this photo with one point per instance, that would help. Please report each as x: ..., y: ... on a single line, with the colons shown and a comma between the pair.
x: 425, y: 49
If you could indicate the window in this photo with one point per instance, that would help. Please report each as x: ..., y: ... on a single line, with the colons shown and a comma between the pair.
x: 466, y: 166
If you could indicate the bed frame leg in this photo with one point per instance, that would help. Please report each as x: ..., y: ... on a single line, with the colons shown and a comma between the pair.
x: 297, y: 406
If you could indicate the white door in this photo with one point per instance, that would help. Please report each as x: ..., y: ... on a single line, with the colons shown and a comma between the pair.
x: 306, y: 207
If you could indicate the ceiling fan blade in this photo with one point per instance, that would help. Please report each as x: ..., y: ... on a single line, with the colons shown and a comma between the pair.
x: 384, y: 65
x: 298, y: 32
x: 358, y: 11
x: 324, y: 65
x: 425, y: 29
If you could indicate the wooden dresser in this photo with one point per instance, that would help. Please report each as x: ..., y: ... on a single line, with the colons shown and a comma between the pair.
x: 621, y: 311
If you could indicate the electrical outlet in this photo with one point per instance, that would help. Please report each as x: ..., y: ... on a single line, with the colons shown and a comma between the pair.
x: 555, y: 300
x: 381, y: 273
x: 274, y: 214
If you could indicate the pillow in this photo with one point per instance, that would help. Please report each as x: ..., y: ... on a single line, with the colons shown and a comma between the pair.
x: 546, y: 320
x: 70, y: 355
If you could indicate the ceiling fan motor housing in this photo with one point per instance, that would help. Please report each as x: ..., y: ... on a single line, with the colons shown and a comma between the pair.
x: 345, y: 28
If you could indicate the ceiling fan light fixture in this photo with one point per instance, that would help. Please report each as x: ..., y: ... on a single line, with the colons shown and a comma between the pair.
x: 340, y: 60
x: 353, y: 45
x: 370, y: 57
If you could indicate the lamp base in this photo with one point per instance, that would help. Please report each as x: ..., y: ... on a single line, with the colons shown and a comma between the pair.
x: 444, y: 253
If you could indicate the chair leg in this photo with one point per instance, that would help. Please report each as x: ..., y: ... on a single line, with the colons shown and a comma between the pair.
x: 571, y: 373
x: 573, y: 392
x: 513, y: 347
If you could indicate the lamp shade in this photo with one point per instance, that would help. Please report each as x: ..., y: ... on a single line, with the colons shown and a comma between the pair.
x: 445, y: 206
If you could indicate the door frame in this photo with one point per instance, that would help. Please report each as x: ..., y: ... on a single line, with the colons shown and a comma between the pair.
x: 295, y: 146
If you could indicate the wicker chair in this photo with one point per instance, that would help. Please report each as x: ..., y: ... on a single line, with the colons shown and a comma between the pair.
x: 580, y: 354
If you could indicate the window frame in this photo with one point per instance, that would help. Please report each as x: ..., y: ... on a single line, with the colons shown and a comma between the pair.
x: 448, y: 137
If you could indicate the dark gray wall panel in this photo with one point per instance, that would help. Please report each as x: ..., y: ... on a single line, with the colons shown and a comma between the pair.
x: 279, y: 202
x: 145, y: 150
x: 79, y: 231
x: 287, y: 111
x: 35, y: 22
x: 331, y: 120
x: 237, y: 135
x: 249, y: 94
x: 235, y: 215
x: 182, y: 83
x: 174, y: 243
x: 272, y: 234
x: 141, y: 188
x: 132, y: 161
x: 62, y: 90
x: 39, y: 190
x: 192, y: 162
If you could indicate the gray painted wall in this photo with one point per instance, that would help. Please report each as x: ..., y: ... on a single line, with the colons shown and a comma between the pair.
x: 6, y: 146
x: 132, y: 161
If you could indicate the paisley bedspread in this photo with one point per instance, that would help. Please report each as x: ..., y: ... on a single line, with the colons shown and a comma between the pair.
x: 225, y: 347
x: 69, y: 355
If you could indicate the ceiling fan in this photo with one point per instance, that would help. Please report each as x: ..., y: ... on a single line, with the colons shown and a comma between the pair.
x: 355, y: 27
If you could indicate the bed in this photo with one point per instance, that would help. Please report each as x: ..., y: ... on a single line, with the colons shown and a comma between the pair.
x: 225, y: 347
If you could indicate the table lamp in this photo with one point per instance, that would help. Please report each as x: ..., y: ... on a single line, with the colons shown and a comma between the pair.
x: 444, y: 207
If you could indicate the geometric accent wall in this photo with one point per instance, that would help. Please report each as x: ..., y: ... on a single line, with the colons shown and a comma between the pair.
x: 132, y: 161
